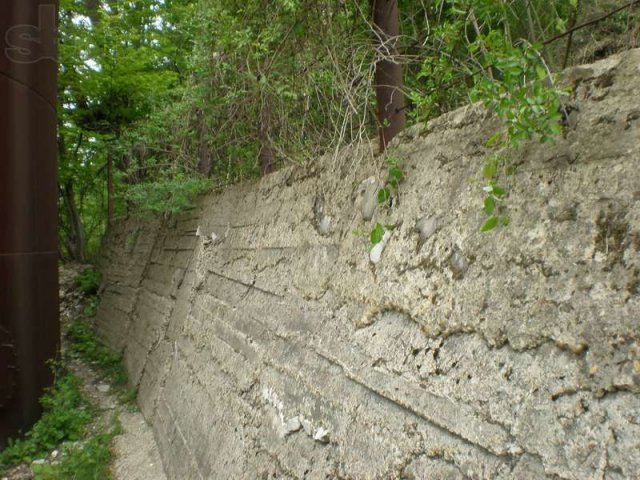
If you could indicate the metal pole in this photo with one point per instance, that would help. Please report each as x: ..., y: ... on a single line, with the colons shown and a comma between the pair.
x: 29, y: 317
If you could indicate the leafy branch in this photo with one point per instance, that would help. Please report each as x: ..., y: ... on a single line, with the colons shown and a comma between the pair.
x: 521, y: 92
x: 385, y: 199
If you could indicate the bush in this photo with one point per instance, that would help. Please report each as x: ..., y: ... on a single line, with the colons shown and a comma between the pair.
x: 167, y: 196
x: 89, y: 281
x: 87, y: 462
x: 66, y: 416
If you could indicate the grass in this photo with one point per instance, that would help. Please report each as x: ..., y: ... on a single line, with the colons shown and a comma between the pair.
x: 70, y: 423
x: 89, y: 461
x: 89, y: 281
x: 66, y: 426
x: 67, y: 414
x: 84, y: 346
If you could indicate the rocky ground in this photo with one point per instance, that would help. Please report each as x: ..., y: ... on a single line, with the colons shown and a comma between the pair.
x: 136, y: 455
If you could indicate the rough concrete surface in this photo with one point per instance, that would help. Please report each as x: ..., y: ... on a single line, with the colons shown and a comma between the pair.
x: 266, y: 343
x: 135, y: 451
x: 136, y: 455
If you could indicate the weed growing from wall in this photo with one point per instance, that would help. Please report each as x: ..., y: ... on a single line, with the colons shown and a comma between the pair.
x: 385, y: 198
x: 520, y: 89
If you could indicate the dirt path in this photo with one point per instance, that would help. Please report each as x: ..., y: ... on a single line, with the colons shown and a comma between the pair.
x: 136, y: 455
x: 135, y: 450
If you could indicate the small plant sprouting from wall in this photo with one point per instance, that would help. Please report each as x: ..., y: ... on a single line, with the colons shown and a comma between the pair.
x: 385, y: 198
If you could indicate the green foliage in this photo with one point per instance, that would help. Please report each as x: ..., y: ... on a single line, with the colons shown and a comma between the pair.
x: 119, y: 64
x: 66, y: 416
x: 385, y: 195
x: 445, y: 35
x: 89, y: 281
x: 167, y: 196
x: 91, y: 307
x: 491, y: 55
x: 88, y: 461
x: 83, y: 345
x: 376, y: 234
x: 260, y: 76
x: 84, y: 454
x: 438, y: 83
x: 173, y: 91
x: 495, y: 195
x: 68, y: 423
x: 519, y: 91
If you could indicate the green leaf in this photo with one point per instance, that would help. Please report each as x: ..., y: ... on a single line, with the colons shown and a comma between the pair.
x: 498, y: 191
x: 541, y: 72
x: 555, y: 128
x: 376, y: 234
x: 490, y: 224
x: 489, y: 205
x: 299, y: 29
x: 504, y: 220
x: 494, y: 139
x: 384, y: 194
x: 395, y: 174
x: 490, y: 169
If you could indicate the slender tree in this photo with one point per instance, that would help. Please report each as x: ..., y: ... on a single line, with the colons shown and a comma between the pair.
x: 204, y: 153
x: 110, y: 208
x: 388, y: 78
x: 266, y: 159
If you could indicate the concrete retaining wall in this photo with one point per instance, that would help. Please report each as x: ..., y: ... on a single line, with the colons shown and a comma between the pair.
x: 266, y: 344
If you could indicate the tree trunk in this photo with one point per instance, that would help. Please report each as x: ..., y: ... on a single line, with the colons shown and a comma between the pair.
x: 390, y: 99
x: 204, y: 155
x: 76, y: 240
x: 109, y: 189
x: 573, y: 18
x: 266, y: 158
x: 92, y: 11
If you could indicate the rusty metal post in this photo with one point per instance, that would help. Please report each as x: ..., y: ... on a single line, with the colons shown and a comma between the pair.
x: 29, y: 317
